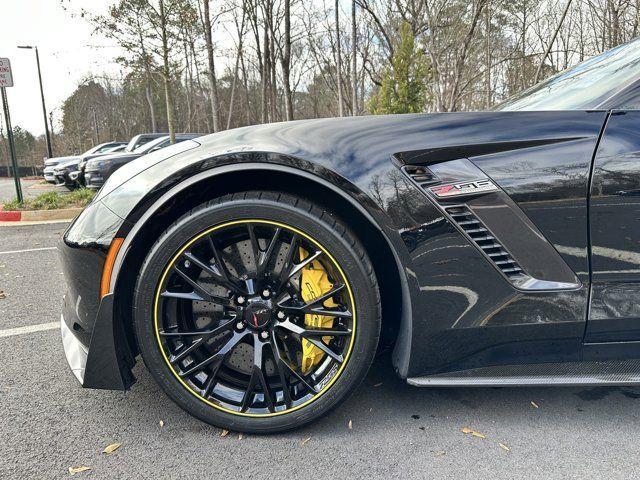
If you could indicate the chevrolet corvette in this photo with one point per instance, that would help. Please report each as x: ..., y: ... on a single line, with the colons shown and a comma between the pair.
x: 257, y: 271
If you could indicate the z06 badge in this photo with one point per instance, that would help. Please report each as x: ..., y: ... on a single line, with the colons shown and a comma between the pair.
x: 465, y: 188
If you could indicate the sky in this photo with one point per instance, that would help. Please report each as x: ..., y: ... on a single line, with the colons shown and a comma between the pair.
x: 68, y: 52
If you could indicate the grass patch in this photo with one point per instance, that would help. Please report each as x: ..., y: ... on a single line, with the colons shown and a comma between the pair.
x: 53, y: 201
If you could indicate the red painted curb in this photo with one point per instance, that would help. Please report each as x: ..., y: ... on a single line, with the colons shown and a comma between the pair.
x: 10, y: 216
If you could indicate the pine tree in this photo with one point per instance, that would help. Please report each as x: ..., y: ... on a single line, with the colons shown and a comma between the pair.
x: 403, y: 86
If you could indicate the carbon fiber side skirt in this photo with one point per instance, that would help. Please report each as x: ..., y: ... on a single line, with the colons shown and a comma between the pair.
x: 623, y: 372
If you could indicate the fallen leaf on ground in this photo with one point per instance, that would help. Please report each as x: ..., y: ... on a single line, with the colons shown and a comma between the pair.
x: 74, y: 470
x: 350, y: 425
x: 304, y: 442
x: 474, y: 433
x: 504, y: 447
x: 111, y: 448
x: 161, y: 423
x: 534, y: 405
x: 439, y: 453
x: 224, y: 433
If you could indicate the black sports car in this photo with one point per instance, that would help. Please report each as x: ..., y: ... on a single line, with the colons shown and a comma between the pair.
x: 95, y: 172
x: 258, y: 270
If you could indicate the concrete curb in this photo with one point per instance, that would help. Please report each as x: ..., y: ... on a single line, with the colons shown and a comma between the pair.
x: 39, y: 215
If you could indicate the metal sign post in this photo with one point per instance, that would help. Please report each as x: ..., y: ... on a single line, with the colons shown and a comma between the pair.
x: 6, y: 80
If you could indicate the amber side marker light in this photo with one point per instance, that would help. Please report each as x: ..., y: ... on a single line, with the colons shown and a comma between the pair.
x: 107, y: 270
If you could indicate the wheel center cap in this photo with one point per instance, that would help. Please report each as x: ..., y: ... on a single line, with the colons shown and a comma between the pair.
x: 258, y: 313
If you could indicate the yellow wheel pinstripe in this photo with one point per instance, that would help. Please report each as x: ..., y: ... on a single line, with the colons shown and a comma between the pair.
x: 208, y: 231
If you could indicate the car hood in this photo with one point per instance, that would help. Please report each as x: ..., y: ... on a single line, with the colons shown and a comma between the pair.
x: 112, y: 157
x: 367, y: 141
x: 68, y: 163
x: 91, y: 156
x: 49, y: 162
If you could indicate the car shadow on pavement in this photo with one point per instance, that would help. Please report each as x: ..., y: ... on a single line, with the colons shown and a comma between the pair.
x: 386, y: 402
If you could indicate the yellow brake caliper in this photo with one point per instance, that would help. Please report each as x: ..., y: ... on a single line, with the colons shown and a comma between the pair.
x: 314, y: 282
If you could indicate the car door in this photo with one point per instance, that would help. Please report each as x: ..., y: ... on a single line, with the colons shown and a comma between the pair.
x: 614, y: 210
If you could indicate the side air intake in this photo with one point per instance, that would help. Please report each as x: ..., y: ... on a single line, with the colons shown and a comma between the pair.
x: 421, y: 175
x: 483, y: 238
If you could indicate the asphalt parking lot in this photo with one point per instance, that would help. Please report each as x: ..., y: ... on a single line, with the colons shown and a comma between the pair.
x: 30, y: 188
x: 48, y: 423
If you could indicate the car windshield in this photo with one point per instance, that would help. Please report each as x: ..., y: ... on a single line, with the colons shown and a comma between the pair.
x: 587, y: 85
x: 148, y: 146
x: 92, y: 150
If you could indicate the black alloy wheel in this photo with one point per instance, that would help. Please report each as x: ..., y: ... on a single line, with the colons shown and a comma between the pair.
x: 257, y: 312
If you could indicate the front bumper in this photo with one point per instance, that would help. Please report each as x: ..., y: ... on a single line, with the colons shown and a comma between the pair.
x: 94, y: 340
x: 93, y: 179
x: 74, y: 350
x: 63, y: 177
x: 48, y: 175
x: 106, y: 362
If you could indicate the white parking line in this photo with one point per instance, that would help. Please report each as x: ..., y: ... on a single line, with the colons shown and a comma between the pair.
x: 10, y: 332
x: 28, y: 250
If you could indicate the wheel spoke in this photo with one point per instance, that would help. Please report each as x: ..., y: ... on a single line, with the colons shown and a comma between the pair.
x: 312, y: 332
x: 214, y: 271
x: 257, y: 378
x: 201, y: 333
x: 255, y: 246
x: 222, y: 267
x: 299, y: 266
x: 201, y: 336
x: 288, y: 262
x: 203, y: 292
x: 211, y: 380
x: 265, y: 256
x: 325, y: 348
x: 310, y: 335
x: 300, y: 378
x: 325, y: 296
x: 182, y: 295
x: 316, y: 306
x: 186, y: 351
x: 306, y: 310
x: 219, y: 356
x: 284, y: 383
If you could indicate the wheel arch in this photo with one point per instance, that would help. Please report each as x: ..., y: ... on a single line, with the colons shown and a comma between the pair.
x: 245, y: 177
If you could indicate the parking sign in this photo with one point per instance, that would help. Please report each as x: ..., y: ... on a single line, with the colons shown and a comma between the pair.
x: 6, y: 80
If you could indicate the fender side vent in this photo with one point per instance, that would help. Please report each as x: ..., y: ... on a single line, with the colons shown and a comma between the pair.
x: 482, y: 237
x: 421, y: 175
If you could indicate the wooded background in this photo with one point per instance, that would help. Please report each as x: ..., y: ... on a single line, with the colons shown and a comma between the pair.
x: 204, y: 66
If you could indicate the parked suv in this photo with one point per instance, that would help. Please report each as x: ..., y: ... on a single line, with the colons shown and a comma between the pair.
x: 97, y: 171
x: 51, y: 163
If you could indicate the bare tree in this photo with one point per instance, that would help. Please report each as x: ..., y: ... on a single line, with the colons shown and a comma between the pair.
x: 285, y: 60
x: 213, y: 82
x: 339, y: 60
x: 354, y: 60
x: 551, y: 41
x: 163, y: 25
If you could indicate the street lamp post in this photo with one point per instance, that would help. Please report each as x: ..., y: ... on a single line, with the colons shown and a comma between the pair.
x: 44, y: 109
